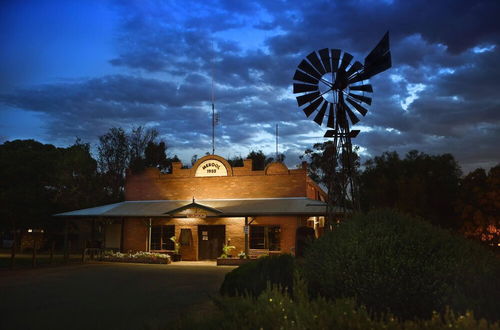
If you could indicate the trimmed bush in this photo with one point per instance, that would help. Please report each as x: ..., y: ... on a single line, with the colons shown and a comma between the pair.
x: 253, y: 277
x: 389, y: 261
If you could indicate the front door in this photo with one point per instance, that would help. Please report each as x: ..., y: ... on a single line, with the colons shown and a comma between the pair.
x: 210, y: 241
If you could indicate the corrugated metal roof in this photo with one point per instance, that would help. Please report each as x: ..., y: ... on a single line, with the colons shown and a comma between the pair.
x: 228, y: 207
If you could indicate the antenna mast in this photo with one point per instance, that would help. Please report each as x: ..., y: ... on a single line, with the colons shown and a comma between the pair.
x: 213, y: 102
x: 277, y: 153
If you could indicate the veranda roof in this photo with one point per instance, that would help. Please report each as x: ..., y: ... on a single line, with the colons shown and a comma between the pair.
x: 227, y: 208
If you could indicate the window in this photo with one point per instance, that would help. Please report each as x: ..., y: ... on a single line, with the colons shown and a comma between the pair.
x: 160, y: 237
x: 265, y: 237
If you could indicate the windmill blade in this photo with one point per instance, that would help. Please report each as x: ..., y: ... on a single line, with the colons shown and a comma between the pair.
x: 313, y: 106
x: 330, y: 133
x: 301, y: 76
x: 354, y: 119
x: 357, y: 77
x: 303, y: 99
x: 335, y: 59
x: 331, y: 116
x: 302, y: 88
x: 365, y: 99
x: 325, y: 59
x: 379, y: 58
x: 362, y: 110
x: 354, y: 68
x: 363, y: 88
x: 313, y: 58
x: 307, y: 68
x: 346, y: 59
x: 321, y: 114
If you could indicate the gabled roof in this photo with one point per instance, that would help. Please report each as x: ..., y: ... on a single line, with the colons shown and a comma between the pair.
x: 217, y: 207
x: 194, y: 206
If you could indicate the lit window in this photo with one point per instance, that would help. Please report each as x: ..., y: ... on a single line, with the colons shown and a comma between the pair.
x: 265, y: 237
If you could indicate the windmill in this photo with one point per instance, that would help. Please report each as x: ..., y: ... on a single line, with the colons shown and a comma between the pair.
x: 328, y: 85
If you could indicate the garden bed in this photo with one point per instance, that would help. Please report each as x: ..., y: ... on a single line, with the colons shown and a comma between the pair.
x: 232, y: 261
x: 139, y: 257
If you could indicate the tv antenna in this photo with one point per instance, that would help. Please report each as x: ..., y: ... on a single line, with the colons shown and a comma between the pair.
x: 277, y: 152
x: 215, y: 116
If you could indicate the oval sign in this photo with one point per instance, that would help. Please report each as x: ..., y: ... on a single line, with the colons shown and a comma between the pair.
x: 211, y: 167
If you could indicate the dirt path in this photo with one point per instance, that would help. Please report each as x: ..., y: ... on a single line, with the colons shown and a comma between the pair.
x: 104, y: 295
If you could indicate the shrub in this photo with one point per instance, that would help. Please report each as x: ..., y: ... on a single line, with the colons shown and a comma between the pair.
x: 389, y: 261
x: 254, y: 276
x: 275, y: 309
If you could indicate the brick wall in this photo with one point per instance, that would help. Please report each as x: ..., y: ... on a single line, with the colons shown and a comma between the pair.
x: 135, y: 235
x: 275, y: 181
x: 136, y: 232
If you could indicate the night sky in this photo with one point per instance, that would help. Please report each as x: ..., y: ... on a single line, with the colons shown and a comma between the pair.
x: 77, y: 68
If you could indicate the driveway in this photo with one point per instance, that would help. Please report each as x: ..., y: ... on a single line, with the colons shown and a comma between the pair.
x: 106, y: 295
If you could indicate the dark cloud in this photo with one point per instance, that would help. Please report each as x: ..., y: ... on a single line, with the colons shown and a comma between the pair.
x: 440, y: 96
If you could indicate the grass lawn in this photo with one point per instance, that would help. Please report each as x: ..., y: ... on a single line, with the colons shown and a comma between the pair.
x: 105, y: 295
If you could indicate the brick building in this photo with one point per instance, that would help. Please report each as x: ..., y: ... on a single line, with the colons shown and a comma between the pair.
x: 209, y: 205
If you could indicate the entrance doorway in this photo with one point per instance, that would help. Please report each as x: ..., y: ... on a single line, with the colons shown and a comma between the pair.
x: 210, y: 241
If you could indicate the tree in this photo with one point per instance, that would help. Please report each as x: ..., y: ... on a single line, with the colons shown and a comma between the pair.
x: 319, y: 160
x: 113, y: 160
x: 420, y: 184
x: 194, y: 159
x: 26, y: 183
x: 119, y: 151
x: 138, y: 140
x: 156, y: 156
x: 38, y: 180
x: 236, y: 161
x: 479, y: 204
x: 259, y: 160
x: 77, y: 184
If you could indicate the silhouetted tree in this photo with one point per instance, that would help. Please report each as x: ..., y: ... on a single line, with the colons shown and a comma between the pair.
x: 156, y: 156
x: 38, y: 180
x: 334, y: 173
x: 113, y: 160
x: 27, y: 183
x: 319, y: 160
x: 77, y: 183
x: 259, y: 160
x: 194, y: 159
x: 138, y: 140
x: 419, y: 184
x: 235, y: 161
x: 479, y: 204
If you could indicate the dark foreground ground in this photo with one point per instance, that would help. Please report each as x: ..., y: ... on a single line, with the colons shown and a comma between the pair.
x: 105, y: 295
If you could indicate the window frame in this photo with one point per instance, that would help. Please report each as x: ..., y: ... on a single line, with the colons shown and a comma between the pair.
x: 268, y: 231
x: 164, y: 240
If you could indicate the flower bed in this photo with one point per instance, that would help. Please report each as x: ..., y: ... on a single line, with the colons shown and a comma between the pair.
x: 232, y: 261
x: 138, y: 257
